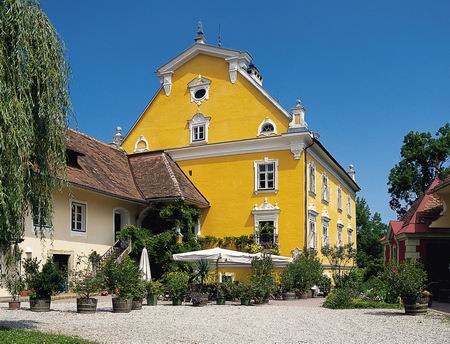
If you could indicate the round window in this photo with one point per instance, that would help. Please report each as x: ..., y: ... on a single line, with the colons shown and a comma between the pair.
x: 199, y: 94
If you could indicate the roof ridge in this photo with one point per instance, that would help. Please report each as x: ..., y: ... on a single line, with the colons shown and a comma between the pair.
x: 171, y: 174
x: 98, y: 141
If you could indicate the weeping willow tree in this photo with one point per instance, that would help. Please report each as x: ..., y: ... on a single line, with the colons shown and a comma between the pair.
x: 34, y: 106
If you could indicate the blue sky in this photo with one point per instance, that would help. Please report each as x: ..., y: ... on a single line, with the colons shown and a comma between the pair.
x: 367, y: 71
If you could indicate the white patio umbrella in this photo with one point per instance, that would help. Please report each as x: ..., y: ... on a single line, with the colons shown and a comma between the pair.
x: 144, y: 266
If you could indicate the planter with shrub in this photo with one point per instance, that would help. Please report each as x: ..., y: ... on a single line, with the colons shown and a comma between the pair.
x: 138, y: 293
x: 177, y: 283
x: 262, y: 281
x: 224, y: 292
x: 43, y: 284
x: 245, y: 293
x: 85, y: 283
x: 407, y: 280
x: 154, y: 289
x: 14, y: 283
x: 287, y: 285
x: 200, y: 297
x: 121, y: 280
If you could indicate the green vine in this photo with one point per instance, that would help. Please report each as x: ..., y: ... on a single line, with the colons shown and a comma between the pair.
x: 34, y: 105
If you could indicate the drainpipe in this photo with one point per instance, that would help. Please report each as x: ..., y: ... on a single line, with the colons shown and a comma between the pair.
x: 306, y: 194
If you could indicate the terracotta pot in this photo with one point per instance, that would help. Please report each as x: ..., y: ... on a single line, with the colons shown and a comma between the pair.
x: 86, y: 305
x: 14, y: 305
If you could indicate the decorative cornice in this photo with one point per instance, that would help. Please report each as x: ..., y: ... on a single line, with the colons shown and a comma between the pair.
x: 262, y: 144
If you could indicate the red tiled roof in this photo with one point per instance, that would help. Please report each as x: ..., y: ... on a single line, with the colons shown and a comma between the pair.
x: 422, y: 212
x: 141, y: 177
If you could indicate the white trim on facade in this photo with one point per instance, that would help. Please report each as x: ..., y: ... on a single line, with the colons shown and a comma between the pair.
x: 198, y: 121
x: 261, y: 144
x: 266, y: 212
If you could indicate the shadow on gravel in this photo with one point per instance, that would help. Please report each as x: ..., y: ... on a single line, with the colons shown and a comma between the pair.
x: 22, y: 324
x: 386, y: 314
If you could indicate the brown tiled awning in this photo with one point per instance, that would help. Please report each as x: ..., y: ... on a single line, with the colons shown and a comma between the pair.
x: 143, y: 177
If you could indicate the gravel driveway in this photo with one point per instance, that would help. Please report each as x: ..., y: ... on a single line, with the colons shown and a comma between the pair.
x: 302, y: 321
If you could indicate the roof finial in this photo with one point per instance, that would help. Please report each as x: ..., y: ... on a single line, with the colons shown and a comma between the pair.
x: 219, y: 38
x: 200, y: 34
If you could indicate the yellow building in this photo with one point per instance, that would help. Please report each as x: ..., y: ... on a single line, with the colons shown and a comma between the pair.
x: 260, y: 167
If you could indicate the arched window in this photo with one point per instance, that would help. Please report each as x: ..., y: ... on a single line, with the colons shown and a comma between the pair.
x: 267, y: 127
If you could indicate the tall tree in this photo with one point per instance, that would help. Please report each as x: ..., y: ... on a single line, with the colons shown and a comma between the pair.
x: 34, y: 105
x: 369, y: 230
x: 423, y: 158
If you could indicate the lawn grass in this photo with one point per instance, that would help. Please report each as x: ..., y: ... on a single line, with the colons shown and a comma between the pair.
x: 19, y: 336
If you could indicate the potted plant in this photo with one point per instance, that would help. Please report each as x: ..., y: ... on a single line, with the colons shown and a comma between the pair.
x: 14, y: 283
x: 44, y: 284
x: 138, y: 293
x: 85, y: 282
x: 119, y: 280
x: 407, y: 280
x: 262, y: 280
x: 287, y: 284
x: 177, y: 283
x: 245, y: 293
x: 200, y: 298
x: 154, y: 289
x: 223, y: 292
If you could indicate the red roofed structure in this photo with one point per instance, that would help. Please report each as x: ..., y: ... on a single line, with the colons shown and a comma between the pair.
x: 423, y: 233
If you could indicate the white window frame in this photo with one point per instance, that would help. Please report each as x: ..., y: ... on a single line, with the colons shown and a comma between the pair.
x: 196, y: 133
x: 339, y: 198
x: 267, y: 120
x: 312, y: 178
x: 77, y: 232
x: 312, y: 230
x: 35, y: 226
x: 325, y: 232
x: 350, y: 236
x: 199, y: 120
x: 349, y: 205
x: 325, y: 188
x: 266, y: 161
x: 340, y: 229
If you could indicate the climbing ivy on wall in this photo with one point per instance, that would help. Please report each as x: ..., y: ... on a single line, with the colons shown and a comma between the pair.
x: 34, y: 105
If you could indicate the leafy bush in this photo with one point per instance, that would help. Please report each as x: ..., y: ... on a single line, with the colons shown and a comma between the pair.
x: 340, y: 258
x: 339, y: 298
x: 306, y: 270
x: 287, y: 280
x: 31, y: 267
x: 225, y: 290
x: 177, y: 283
x: 154, y: 287
x: 262, y: 279
x: 244, y: 290
x: 361, y: 303
x: 201, y: 271
x: 405, y: 280
x: 122, y: 279
x: 45, y: 283
x: 325, y: 284
x: 84, y: 281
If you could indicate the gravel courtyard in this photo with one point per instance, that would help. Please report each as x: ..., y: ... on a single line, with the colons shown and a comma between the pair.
x: 302, y: 321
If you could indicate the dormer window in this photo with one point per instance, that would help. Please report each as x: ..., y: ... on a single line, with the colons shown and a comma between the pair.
x: 72, y: 158
x: 198, y: 128
x: 267, y: 127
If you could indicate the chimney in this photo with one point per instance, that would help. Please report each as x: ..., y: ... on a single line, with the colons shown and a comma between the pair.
x: 117, y: 138
x: 351, y: 172
x: 255, y: 74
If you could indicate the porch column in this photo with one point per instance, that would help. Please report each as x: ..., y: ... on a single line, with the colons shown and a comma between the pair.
x: 411, y: 249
